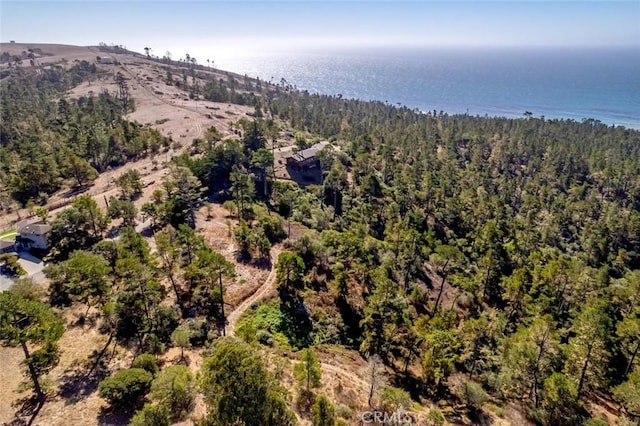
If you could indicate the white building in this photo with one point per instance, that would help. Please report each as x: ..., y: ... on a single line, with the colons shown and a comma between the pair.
x: 34, y: 236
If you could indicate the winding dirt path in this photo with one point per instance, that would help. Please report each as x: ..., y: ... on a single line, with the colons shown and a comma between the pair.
x: 264, y: 291
x: 261, y: 293
x: 345, y: 374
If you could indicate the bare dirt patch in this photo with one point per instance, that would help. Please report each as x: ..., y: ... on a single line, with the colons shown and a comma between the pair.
x: 10, y: 377
x: 165, y: 108
x: 215, y: 227
x: 50, y: 52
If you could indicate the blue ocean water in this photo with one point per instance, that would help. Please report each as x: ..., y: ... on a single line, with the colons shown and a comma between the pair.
x: 578, y: 83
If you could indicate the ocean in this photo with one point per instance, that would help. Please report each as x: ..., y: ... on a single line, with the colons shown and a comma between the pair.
x: 577, y: 83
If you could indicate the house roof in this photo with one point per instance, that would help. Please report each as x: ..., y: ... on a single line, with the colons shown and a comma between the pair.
x: 36, y: 229
x: 309, y: 152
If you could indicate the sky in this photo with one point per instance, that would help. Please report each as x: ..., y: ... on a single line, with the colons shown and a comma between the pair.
x: 218, y: 28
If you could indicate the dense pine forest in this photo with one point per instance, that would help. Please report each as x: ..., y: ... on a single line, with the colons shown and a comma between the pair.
x: 473, y: 262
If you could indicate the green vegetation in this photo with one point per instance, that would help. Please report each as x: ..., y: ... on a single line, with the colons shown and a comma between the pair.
x: 147, y: 362
x: 323, y: 412
x: 265, y: 323
x: 125, y: 387
x: 467, y: 259
x: 240, y: 390
x: 11, y: 265
x: 308, y: 375
x: 8, y: 234
x: 27, y: 322
x: 628, y: 393
x: 62, y: 139
x: 28, y: 289
x: 151, y: 415
x: 307, y: 371
x: 130, y: 183
x: 175, y: 388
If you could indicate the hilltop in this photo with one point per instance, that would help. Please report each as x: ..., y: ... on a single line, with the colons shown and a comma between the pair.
x: 465, y: 270
x: 181, y: 118
x: 170, y: 110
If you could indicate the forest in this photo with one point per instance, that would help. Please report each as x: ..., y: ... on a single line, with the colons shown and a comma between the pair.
x: 473, y: 262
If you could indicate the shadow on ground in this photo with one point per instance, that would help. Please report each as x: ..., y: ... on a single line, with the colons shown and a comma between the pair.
x: 111, y: 417
x: 76, y: 385
x: 27, y: 411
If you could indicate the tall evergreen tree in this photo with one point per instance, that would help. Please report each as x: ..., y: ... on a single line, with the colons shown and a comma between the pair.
x: 29, y: 322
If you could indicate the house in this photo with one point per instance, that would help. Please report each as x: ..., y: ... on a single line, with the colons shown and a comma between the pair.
x: 34, y: 236
x: 306, y: 159
x: 7, y: 246
x: 107, y: 60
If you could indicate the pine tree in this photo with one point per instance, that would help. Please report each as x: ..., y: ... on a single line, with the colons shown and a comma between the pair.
x: 239, y: 389
x: 307, y: 371
x: 587, y: 351
x: 323, y: 412
x: 30, y: 322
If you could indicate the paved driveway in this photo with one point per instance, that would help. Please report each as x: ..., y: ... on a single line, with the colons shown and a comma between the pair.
x: 34, y: 265
x: 29, y: 263
x: 5, y: 283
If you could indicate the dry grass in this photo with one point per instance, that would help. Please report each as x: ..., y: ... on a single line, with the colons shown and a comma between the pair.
x: 52, y: 52
x: 215, y: 229
x: 10, y: 377
x: 73, y: 398
x: 169, y: 113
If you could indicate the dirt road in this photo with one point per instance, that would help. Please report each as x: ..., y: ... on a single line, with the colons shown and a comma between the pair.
x: 266, y: 289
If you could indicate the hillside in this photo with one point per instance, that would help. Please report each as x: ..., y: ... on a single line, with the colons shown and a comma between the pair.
x: 463, y: 270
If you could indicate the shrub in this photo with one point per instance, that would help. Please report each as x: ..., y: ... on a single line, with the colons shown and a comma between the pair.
x: 474, y: 396
x: 181, y: 338
x: 168, y: 320
x: 499, y: 411
x: 628, y: 393
x: 344, y: 411
x: 174, y: 388
x: 147, y: 362
x: 435, y: 417
x: 124, y: 388
x: 9, y: 263
x: 246, y: 331
x: 151, y: 415
x: 153, y: 345
x: 240, y: 390
x: 419, y: 296
x: 28, y: 289
x: 265, y: 338
x: 596, y: 421
x: 273, y: 228
x: 323, y: 412
x: 199, y: 331
x: 559, y: 400
x: 394, y: 399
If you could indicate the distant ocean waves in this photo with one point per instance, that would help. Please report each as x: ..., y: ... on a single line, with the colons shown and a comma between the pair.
x: 603, y: 84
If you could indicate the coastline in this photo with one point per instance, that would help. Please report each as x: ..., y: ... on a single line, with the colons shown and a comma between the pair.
x: 575, y: 84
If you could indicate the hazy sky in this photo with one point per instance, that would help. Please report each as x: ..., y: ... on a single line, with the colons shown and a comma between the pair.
x: 218, y: 28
